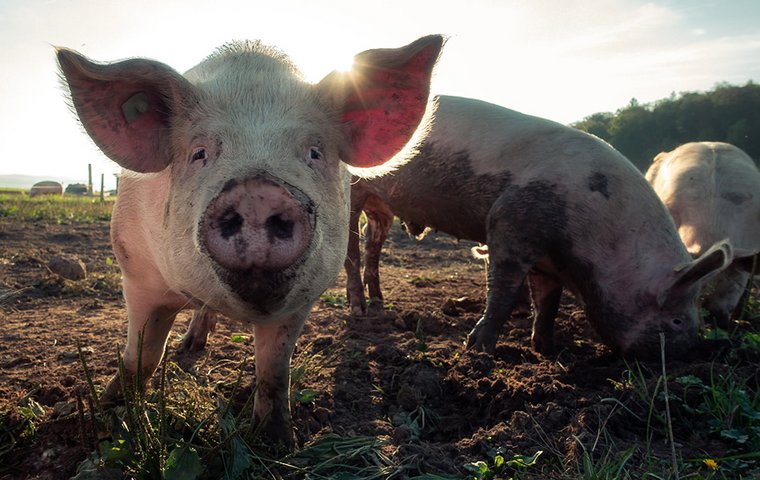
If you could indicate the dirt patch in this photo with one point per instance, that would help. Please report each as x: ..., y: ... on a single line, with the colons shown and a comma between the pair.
x: 400, y: 373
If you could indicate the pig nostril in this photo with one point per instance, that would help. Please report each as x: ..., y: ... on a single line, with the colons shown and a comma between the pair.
x: 279, y: 227
x: 230, y: 223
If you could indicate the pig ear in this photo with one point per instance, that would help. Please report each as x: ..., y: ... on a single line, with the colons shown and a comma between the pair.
x: 383, y: 99
x: 718, y: 257
x: 126, y: 106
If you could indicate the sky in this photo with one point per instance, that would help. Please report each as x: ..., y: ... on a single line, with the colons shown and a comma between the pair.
x: 558, y: 59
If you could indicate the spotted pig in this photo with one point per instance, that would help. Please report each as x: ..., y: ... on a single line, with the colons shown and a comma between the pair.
x: 550, y: 200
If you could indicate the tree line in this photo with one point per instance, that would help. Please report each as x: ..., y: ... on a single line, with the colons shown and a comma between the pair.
x: 728, y: 113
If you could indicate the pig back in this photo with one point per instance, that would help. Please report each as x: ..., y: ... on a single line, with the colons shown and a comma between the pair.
x: 711, y: 189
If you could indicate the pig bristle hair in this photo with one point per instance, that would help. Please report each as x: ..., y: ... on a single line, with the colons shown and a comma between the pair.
x: 243, y: 48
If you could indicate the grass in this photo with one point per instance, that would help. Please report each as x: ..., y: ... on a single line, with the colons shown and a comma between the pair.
x: 185, y: 429
x: 60, y: 209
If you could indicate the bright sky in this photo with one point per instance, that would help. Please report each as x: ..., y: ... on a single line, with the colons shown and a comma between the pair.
x: 557, y: 59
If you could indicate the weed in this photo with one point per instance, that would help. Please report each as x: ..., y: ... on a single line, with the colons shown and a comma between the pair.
x: 423, y: 281
x: 419, y: 333
x: 418, y: 421
x: 498, y: 466
x: 334, y: 300
x: 609, y: 467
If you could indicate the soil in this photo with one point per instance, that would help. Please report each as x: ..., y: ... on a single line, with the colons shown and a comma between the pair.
x: 404, y: 360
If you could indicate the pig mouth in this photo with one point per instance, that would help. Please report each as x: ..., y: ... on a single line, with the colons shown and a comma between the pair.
x: 264, y: 290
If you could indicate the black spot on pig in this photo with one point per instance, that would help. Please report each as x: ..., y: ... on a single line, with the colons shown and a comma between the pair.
x: 597, y: 182
x: 432, y: 190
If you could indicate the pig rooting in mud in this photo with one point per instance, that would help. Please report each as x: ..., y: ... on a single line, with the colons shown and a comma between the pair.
x: 558, y: 208
x: 235, y: 194
x: 712, y: 190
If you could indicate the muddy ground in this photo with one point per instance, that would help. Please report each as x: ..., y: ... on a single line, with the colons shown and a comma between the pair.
x: 383, y: 369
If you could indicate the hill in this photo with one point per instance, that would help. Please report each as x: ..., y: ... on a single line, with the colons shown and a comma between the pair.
x: 26, y: 181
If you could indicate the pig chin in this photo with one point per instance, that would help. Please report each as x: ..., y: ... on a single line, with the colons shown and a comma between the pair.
x: 265, y: 291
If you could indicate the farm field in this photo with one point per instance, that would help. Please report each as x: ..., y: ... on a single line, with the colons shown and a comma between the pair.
x: 389, y: 395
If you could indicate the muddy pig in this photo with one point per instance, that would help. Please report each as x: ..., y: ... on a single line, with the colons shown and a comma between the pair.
x: 712, y: 190
x: 235, y: 196
x: 551, y: 200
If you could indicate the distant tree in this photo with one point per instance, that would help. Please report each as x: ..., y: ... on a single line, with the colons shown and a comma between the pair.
x: 728, y: 113
x: 631, y: 132
x: 597, y: 124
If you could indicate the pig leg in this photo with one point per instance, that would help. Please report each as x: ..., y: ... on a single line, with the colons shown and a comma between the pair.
x: 202, y: 323
x: 150, y: 316
x: 273, y: 347
x: 379, y: 221
x: 352, y: 264
x: 545, y: 293
x: 520, y: 226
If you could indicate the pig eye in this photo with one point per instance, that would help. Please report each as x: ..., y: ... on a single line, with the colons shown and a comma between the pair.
x: 199, y: 153
x: 315, y: 153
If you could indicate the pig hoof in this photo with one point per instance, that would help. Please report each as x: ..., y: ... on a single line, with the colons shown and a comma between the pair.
x: 375, y: 304
x: 484, y: 335
x: 481, y: 339
x: 279, y: 436
x: 191, y: 344
x: 542, y: 346
x: 113, y: 394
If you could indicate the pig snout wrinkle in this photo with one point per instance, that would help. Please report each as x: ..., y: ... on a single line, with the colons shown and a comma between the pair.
x: 257, y: 224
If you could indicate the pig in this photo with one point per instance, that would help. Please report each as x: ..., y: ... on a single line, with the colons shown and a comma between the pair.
x: 712, y: 190
x: 235, y: 193
x: 550, y: 200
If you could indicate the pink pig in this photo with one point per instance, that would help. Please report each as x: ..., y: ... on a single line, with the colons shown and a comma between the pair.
x: 235, y: 195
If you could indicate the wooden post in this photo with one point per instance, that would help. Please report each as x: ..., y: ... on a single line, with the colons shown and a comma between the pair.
x: 89, y: 179
x: 102, y: 187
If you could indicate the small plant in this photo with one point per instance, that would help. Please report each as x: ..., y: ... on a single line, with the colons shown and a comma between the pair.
x: 728, y: 407
x: 334, y: 300
x: 498, y: 466
x: 419, y: 333
x: 418, y: 421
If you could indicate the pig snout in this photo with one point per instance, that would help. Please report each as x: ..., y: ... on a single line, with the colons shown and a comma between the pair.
x: 257, y: 224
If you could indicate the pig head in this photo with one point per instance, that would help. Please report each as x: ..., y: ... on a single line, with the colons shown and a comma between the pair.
x: 235, y: 192
x: 712, y: 191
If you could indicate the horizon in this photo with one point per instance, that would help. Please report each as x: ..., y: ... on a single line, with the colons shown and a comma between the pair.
x: 554, y: 60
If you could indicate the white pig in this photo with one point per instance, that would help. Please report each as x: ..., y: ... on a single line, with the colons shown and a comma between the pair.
x: 550, y: 200
x: 712, y: 190
x: 237, y: 193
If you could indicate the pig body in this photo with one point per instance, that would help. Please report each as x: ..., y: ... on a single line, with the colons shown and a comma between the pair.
x: 547, y: 199
x: 235, y: 196
x: 712, y: 190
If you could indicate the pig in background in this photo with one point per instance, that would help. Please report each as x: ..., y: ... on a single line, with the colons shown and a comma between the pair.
x: 237, y: 197
x: 712, y: 190
x: 549, y: 200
